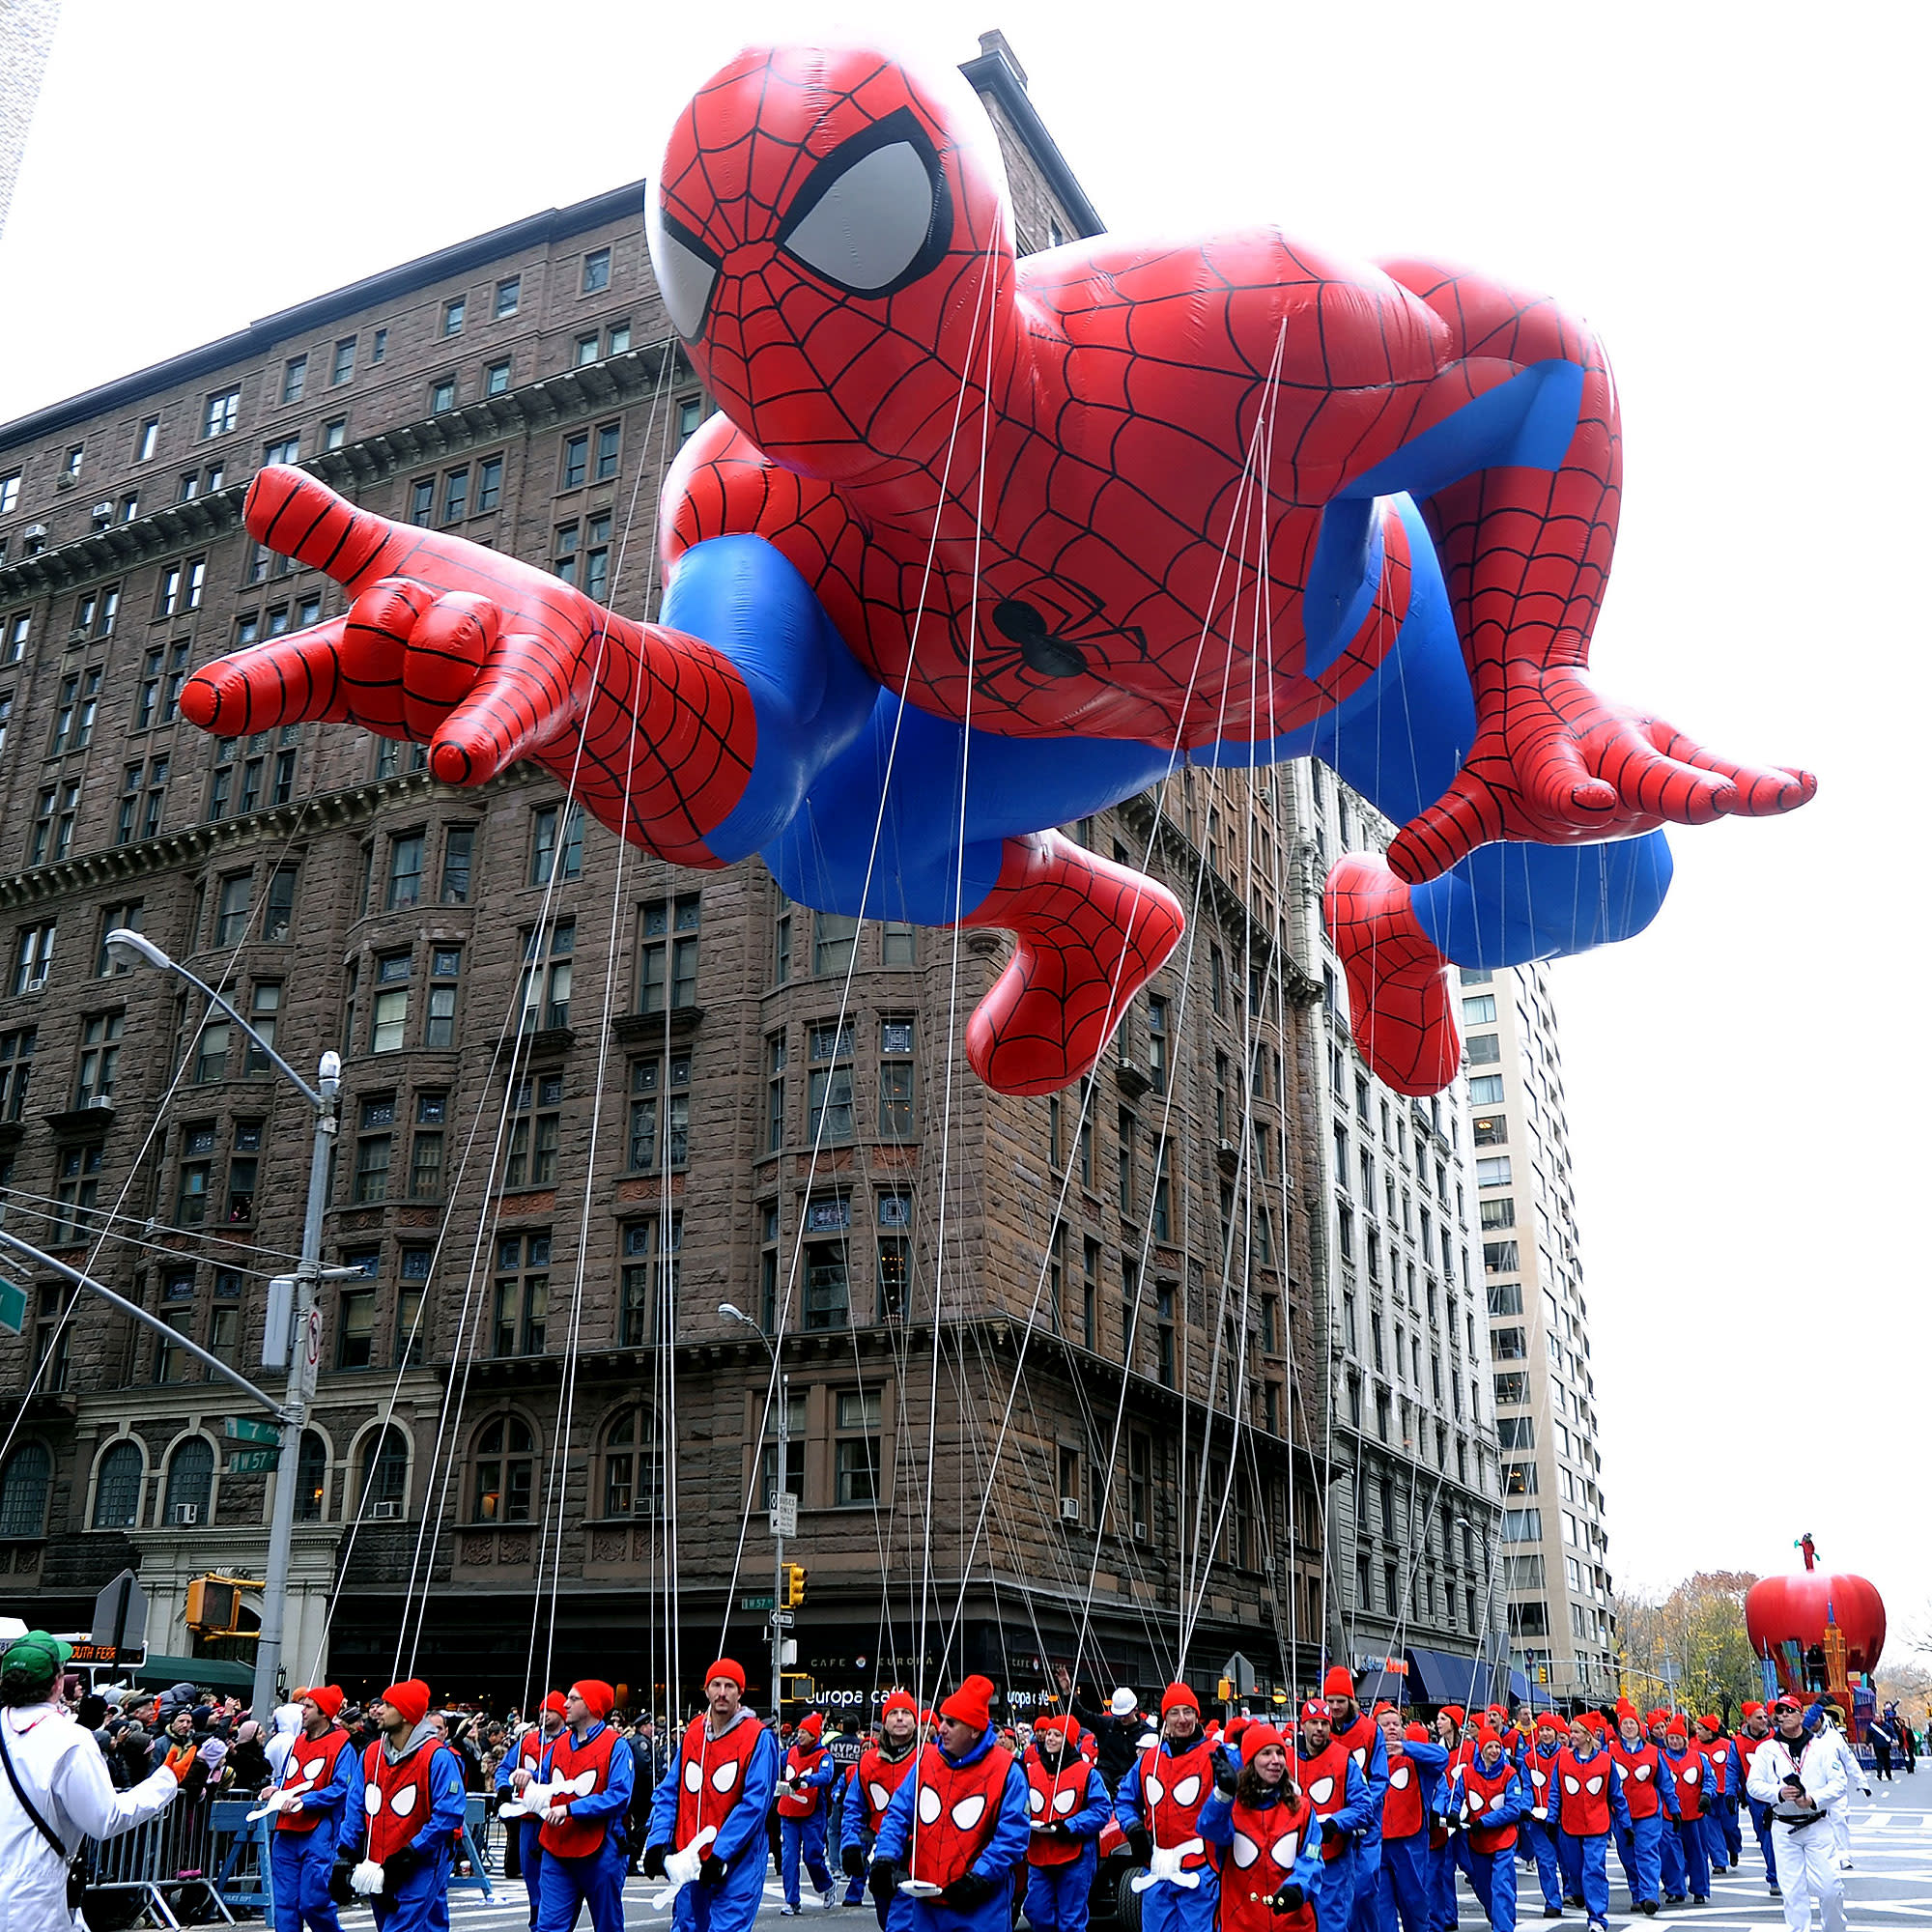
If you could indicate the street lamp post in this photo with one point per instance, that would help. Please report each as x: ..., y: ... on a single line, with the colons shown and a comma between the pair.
x: 301, y: 1347
x: 776, y: 1500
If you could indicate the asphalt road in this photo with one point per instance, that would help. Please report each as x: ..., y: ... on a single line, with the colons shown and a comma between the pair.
x: 1889, y: 1884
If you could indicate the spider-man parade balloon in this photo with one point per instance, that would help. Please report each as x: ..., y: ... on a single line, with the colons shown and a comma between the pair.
x: 977, y: 545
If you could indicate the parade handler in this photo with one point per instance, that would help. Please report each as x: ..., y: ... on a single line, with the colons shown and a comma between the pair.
x: 1269, y: 1836
x: 883, y: 1766
x: 957, y: 1827
x: 1800, y: 1779
x: 1068, y: 1806
x: 514, y: 1776
x: 808, y: 1772
x: 1162, y: 1795
x: 590, y: 1773
x: 707, y: 1833
x: 412, y: 1810
x: 313, y: 1809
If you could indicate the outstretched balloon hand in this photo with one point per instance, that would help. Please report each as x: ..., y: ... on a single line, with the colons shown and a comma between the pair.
x: 1555, y: 762
x: 485, y: 660
x: 477, y: 656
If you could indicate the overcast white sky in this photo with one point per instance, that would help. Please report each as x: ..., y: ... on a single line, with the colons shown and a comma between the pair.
x: 1735, y: 194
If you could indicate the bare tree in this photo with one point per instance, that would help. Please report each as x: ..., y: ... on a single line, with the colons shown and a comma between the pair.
x: 1691, y: 1642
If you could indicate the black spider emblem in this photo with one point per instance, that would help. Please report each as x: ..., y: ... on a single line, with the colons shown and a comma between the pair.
x: 1052, y: 645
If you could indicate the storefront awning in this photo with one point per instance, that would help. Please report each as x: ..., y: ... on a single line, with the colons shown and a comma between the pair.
x: 216, y: 1672
x: 1441, y: 1677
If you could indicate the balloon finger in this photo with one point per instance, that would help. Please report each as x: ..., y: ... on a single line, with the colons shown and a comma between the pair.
x: 287, y: 681
x: 1465, y: 816
x: 447, y: 650
x: 1762, y: 791
x: 381, y: 621
x: 516, y: 704
x: 296, y: 515
x: 1666, y: 787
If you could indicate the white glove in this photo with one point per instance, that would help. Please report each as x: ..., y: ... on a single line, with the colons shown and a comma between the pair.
x: 367, y: 1878
x: 1540, y: 1812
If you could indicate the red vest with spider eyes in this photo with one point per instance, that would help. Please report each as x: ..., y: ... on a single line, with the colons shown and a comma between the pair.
x: 711, y: 1775
x: 1690, y: 1774
x: 879, y: 1777
x: 801, y: 1762
x: 1402, y: 1806
x: 1260, y: 1861
x: 310, y: 1766
x: 1052, y: 1798
x: 1172, y: 1790
x: 1724, y: 1766
x: 395, y: 1797
x: 1643, y: 1769
x: 1538, y: 1768
x: 1583, y: 1792
x: 954, y: 1810
x: 1325, y: 1782
x: 576, y: 1771
x: 1482, y: 1792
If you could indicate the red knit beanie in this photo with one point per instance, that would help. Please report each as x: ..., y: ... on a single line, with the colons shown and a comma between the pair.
x: 598, y: 1696
x: 554, y: 1702
x: 727, y: 1667
x: 1178, y: 1696
x: 411, y: 1698
x: 970, y: 1704
x: 325, y: 1697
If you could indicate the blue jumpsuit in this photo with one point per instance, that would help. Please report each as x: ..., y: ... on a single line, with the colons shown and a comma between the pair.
x: 1339, y: 1883
x: 1686, y: 1863
x: 732, y: 1903
x: 855, y: 1833
x: 1373, y: 1765
x: 1056, y: 1895
x: 302, y: 1860
x: 421, y: 1901
x: 1640, y: 1842
x: 1492, y: 1874
x: 1722, y: 1837
x: 803, y: 1839
x: 1165, y: 1907
x: 530, y: 1854
x: 1760, y: 1817
x: 1584, y: 1859
x: 1405, y: 1885
x: 1539, y: 1834
x: 1217, y: 1827
x: 596, y: 1878
x: 1004, y: 1850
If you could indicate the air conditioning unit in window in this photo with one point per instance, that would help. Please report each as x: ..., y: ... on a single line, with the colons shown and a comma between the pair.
x: 65, y: 480
x: 1069, y: 1508
x: 1228, y: 1147
x: 1140, y: 1532
x: 101, y: 1100
x: 384, y: 1512
x: 184, y: 1515
x: 33, y: 531
x: 37, y: 985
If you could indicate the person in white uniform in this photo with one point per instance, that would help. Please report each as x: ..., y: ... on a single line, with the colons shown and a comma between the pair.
x: 1801, y: 1778
x: 1855, y: 1780
x: 54, y: 1790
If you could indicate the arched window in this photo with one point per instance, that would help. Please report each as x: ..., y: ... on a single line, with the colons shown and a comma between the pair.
x: 383, y: 1483
x: 23, y: 1491
x: 117, y: 1488
x: 190, y: 1483
x: 633, y: 1466
x: 506, y: 1470
x: 312, y: 1478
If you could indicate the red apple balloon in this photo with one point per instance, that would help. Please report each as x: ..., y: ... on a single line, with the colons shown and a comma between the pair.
x: 1793, y: 1609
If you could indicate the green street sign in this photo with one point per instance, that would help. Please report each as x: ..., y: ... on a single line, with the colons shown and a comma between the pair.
x: 755, y: 1603
x: 239, y: 1428
x: 13, y: 1307
x: 250, y: 1462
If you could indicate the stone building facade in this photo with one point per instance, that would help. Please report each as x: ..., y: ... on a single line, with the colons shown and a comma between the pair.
x: 1055, y: 1367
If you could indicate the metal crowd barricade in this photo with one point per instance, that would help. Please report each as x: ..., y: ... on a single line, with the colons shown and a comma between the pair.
x: 178, y: 1861
x: 479, y: 1827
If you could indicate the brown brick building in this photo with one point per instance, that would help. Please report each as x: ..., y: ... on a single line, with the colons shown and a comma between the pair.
x: 588, y: 1099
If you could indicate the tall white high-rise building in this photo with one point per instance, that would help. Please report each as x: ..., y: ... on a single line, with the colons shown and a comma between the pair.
x: 1556, y: 1580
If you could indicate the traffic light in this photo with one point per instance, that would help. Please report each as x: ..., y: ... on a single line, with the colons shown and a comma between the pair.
x: 213, y: 1604
x: 1224, y: 1689
x: 791, y: 1593
x: 797, y: 1688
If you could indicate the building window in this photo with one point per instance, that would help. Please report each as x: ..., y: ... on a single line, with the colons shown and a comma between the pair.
x: 1523, y: 1525
x: 383, y: 1483
x: 586, y: 350
x: 895, y: 1072
x: 442, y: 395
x: 531, y: 1158
x: 604, y: 466
x: 117, y: 1489
x: 456, y: 494
x: 16, y: 1071
x: 145, y: 438
x: 1494, y: 1171
x: 33, y: 957
x: 546, y: 977
x: 828, y: 1284
x: 190, y: 1482
x: 379, y: 347
x: 356, y: 1320
x: 576, y: 460
x: 78, y: 704
x: 774, y: 1093
x: 445, y: 965
x: 1484, y: 1049
x: 335, y: 433
x: 373, y: 1146
x: 343, y: 366
x: 265, y: 1005
x: 549, y: 858
x: 649, y: 1085
x: 497, y: 377
x: 411, y: 1339
x: 668, y: 954
x: 426, y: 1147
x: 893, y: 1216
x: 596, y: 270
x: 278, y: 911
x: 1499, y: 1213
x: 452, y: 315
x: 388, y: 1018
x: 459, y: 847
x: 633, y: 1466
x: 856, y: 1448
x: 829, y: 1096
x: 100, y: 1055
x: 422, y: 500
x: 1158, y: 1044
x: 294, y: 379
x: 617, y: 339
x: 648, y: 1286
x: 489, y: 483
x: 506, y: 1470
x: 522, y: 1306
x: 311, y: 1478
x: 218, y: 414
x: 24, y: 1484
x: 76, y: 1189
x: 406, y: 866
x: 690, y: 416
x: 284, y: 450
x: 833, y: 936
x: 211, y: 1051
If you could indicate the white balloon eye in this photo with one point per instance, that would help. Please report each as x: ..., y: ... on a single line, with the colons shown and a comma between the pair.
x: 874, y: 215
x: 685, y: 268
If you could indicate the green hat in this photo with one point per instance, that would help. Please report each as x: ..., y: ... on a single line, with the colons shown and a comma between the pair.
x: 37, y: 1658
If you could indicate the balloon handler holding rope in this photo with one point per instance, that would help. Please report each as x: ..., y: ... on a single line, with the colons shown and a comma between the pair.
x: 977, y: 547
